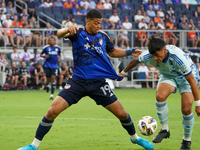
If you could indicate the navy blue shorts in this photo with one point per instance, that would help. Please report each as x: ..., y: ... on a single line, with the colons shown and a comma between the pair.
x: 50, y: 71
x: 97, y: 89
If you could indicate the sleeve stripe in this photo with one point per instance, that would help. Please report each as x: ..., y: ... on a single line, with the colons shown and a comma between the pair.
x: 177, y: 60
x: 188, y: 74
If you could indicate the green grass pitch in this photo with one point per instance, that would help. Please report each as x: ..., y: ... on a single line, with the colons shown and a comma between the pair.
x: 86, y: 126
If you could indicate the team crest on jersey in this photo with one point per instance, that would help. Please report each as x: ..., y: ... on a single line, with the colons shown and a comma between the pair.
x: 67, y: 86
x: 56, y: 49
x: 100, y: 42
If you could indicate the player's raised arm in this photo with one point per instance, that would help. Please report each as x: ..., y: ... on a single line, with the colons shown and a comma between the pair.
x: 65, y: 32
x: 131, y: 65
x: 117, y: 53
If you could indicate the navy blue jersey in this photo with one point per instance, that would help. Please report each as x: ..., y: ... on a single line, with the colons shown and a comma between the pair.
x: 90, y: 55
x: 53, y: 52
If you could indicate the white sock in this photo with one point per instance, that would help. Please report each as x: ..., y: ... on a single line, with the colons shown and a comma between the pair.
x: 165, y: 127
x: 134, y: 137
x: 36, y: 142
x: 51, y: 95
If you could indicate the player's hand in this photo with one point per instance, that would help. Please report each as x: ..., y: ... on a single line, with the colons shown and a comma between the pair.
x: 136, y: 53
x: 72, y: 29
x: 46, y: 56
x: 197, y: 109
x: 119, y: 78
x: 121, y: 75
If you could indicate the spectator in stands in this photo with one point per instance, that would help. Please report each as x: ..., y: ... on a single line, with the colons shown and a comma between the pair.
x: 38, y: 74
x: 31, y: 7
x: 161, y: 25
x: 153, y: 73
x: 138, y: 17
x: 23, y: 21
x: 192, y: 36
x: 3, y: 16
x: 155, y: 5
x: 48, y: 3
x: 15, y: 20
x: 84, y: 2
x: 8, y: 20
x: 142, y: 37
x: 67, y: 22
x: 27, y: 34
x: 142, y: 24
x: 15, y: 55
x: 92, y: 4
x: 116, y: 5
x: 191, y: 24
x: 107, y: 5
x: 126, y: 24
x: 177, y: 34
x: 40, y: 3
x: 111, y: 33
x: 100, y: 5
x: 142, y: 9
x: 157, y: 18
x: 197, y: 12
x: 8, y: 35
x: 198, y: 23
x: 170, y: 11
x: 144, y: 68
x: 183, y: 25
x: 74, y: 22
x: 147, y: 4
x: 166, y: 18
x: 161, y: 13
x: 63, y: 74
x: 173, y: 18
x: 12, y: 14
x: 24, y: 14
x: 18, y: 35
x: 146, y: 18
x: 170, y: 24
x: 123, y: 38
x: 105, y: 23
x: 2, y: 59
x: 15, y: 74
x: 32, y: 21
x: 24, y: 74
x: 170, y: 37
x: 58, y: 4
x: 151, y: 23
x: 3, y: 7
x: 198, y: 36
x: 159, y: 33
x: 185, y: 17
x: 150, y: 12
x: 84, y: 10
x: 76, y: 10
x: 114, y: 18
x: 75, y: 2
x: 10, y: 6
x: 150, y: 33
x: 68, y: 4
x: 48, y: 32
x: 177, y: 1
x: 125, y: 5
x: 119, y: 25
x: 168, y: 1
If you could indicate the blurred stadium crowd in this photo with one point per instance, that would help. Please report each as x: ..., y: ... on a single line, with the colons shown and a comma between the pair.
x: 19, y: 21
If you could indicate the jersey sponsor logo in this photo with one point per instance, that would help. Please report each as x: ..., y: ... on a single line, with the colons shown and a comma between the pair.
x: 67, y: 86
x: 56, y: 49
x: 100, y: 41
x: 53, y: 53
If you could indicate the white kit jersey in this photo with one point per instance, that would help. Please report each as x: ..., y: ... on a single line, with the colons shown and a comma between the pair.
x: 176, y: 64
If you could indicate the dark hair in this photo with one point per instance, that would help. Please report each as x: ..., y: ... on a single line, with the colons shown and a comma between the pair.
x: 93, y: 13
x: 155, y: 44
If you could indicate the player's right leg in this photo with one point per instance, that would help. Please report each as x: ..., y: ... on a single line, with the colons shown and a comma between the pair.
x: 58, y: 105
x: 163, y: 91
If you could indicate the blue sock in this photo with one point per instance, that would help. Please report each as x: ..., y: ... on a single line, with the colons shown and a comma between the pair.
x: 128, y: 125
x: 43, y: 128
x: 52, y: 87
x: 188, y: 123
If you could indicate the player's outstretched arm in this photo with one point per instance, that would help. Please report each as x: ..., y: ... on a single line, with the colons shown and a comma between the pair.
x: 195, y: 92
x: 131, y: 65
x: 65, y: 32
x: 118, y: 53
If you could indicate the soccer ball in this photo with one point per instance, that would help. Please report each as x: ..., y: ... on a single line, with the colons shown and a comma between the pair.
x: 147, y: 125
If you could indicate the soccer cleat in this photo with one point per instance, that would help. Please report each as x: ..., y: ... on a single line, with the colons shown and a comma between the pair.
x: 185, y: 145
x: 51, y: 98
x: 28, y: 147
x: 144, y: 143
x: 60, y: 88
x: 47, y: 89
x: 161, y: 135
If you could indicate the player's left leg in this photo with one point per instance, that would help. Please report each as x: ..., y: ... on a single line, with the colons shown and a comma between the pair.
x: 187, y: 120
x: 117, y: 109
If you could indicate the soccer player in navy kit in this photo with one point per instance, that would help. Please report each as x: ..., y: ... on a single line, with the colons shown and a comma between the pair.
x: 91, y: 67
x: 52, y: 54
x: 176, y: 71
